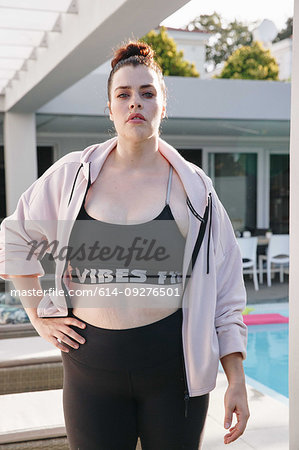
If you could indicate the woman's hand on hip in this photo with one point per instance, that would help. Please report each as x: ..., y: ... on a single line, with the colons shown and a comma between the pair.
x: 53, y: 329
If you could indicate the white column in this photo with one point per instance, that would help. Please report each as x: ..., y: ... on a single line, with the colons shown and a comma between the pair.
x: 20, y: 157
x: 294, y: 242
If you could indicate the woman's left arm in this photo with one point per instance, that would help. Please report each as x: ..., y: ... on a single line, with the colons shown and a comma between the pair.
x: 235, y: 399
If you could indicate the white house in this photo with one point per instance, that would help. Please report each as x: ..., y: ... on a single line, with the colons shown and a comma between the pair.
x: 265, y: 32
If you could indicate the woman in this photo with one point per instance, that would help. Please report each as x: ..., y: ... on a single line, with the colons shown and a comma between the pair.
x: 141, y: 354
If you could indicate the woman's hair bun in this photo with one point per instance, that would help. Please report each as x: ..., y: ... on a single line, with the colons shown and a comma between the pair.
x: 133, y: 48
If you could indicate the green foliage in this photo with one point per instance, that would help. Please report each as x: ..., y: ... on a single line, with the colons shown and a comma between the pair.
x: 286, y: 32
x: 251, y: 63
x: 225, y: 37
x: 167, y: 56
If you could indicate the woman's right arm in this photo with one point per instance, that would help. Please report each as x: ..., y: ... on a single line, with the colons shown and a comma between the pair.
x: 51, y: 328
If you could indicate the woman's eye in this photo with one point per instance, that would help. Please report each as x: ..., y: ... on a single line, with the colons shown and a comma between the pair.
x: 124, y: 94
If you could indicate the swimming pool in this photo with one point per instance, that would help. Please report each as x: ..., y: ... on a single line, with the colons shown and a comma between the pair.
x: 267, y: 359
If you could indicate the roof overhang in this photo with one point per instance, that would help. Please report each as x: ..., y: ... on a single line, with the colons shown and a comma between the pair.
x: 78, y: 44
x: 188, y: 98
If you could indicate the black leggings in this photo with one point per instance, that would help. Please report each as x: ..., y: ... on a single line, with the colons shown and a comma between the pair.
x: 121, y: 384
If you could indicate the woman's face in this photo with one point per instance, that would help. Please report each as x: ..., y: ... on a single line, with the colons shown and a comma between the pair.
x: 136, y: 90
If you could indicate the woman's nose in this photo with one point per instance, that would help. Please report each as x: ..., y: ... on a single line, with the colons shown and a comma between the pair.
x: 135, y: 103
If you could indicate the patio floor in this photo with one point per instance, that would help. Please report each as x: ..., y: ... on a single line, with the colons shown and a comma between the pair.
x: 267, y: 427
x: 277, y: 292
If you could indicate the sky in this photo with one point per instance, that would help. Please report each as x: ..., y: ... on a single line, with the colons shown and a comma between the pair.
x: 246, y: 11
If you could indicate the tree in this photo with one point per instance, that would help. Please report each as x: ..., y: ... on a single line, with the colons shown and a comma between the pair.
x: 251, y: 63
x: 170, y: 59
x: 227, y: 37
x: 286, y: 32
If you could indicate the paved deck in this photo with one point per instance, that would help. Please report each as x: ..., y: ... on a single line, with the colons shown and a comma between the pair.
x: 267, y: 427
x: 278, y: 292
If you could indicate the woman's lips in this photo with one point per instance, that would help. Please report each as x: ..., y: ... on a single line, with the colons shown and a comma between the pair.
x: 137, y: 120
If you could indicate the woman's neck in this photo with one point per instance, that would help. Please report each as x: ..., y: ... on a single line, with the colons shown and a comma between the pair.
x: 137, y: 154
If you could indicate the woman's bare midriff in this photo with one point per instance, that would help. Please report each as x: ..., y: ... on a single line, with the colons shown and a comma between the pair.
x: 116, y: 319
x: 114, y: 191
x: 119, y: 310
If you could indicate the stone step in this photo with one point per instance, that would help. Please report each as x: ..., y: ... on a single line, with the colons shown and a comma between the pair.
x: 29, y: 364
x: 31, y: 415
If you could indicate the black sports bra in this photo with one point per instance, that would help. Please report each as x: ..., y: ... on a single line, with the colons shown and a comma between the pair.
x: 165, y: 214
x: 146, y: 253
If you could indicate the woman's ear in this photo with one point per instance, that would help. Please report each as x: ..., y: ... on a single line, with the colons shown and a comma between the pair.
x: 163, y: 112
x: 110, y: 113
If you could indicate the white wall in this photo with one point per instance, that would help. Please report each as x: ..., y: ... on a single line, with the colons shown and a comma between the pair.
x: 294, y: 242
x: 187, y: 98
x: 193, y: 45
x: 282, y: 52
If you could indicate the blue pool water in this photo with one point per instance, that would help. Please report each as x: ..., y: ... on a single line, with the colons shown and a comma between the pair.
x: 267, y: 356
x: 267, y: 351
x: 266, y: 365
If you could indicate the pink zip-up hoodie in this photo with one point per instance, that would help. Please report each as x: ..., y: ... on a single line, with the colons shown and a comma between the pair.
x: 214, y: 297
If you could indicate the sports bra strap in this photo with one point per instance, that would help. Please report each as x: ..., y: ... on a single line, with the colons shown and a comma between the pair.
x: 169, y: 185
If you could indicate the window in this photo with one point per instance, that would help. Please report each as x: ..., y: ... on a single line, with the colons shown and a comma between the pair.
x: 2, y: 185
x: 235, y: 180
x: 279, y: 193
x: 44, y: 159
x: 194, y: 156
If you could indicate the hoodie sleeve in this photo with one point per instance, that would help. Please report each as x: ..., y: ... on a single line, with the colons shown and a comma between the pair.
x: 16, y: 233
x: 25, y: 234
x: 231, y: 292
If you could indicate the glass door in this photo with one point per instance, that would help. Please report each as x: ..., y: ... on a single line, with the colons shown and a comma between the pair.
x: 235, y: 179
x: 279, y: 193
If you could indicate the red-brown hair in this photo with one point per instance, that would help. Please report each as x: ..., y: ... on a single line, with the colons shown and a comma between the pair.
x: 135, y: 53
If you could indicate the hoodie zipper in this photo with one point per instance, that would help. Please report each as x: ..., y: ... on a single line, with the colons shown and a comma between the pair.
x: 186, y: 391
x: 196, y: 249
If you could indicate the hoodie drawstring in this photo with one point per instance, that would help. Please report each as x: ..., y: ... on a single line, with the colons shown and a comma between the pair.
x: 202, y: 229
x: 81, y: 165
x: 194, y: 212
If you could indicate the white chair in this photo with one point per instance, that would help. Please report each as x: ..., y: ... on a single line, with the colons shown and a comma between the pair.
x: 248, y: 247
x: 277, y: 254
